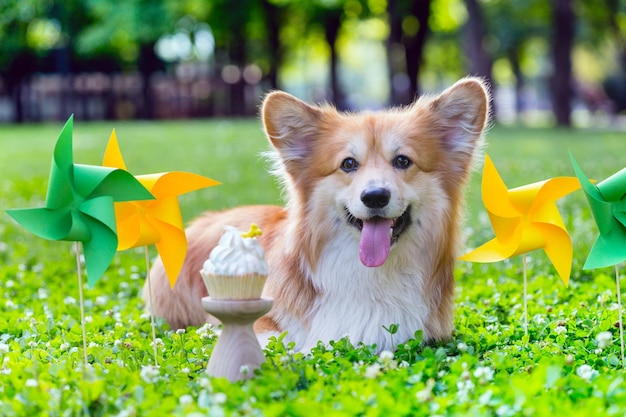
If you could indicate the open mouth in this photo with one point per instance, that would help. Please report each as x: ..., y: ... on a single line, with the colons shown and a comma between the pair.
x: 377, y: 235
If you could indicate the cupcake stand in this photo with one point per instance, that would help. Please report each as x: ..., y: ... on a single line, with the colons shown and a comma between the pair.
x: 237, y: 348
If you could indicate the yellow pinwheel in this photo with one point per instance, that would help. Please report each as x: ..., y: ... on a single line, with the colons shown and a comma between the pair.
x: 524, y: 219
x: 158, y: 221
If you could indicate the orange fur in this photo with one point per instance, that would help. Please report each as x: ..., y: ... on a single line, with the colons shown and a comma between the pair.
x: 309, y: 244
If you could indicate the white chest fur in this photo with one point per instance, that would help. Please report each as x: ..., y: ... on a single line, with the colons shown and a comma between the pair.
x: 357, y: 301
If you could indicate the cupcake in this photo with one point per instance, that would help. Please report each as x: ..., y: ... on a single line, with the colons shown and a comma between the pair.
x: 236, y: 269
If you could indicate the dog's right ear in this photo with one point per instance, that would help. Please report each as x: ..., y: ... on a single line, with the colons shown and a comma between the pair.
x: 291, y: 125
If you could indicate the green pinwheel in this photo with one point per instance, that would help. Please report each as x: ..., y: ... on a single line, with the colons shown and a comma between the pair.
x: 79, y: 205
x: 607, y: 200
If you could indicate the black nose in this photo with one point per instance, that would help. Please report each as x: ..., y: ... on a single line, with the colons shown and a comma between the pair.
x: 375, y: 198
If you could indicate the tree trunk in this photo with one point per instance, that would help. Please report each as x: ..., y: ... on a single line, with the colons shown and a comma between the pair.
x: 480, y: 59
x: 273, y: 20
x: 563, y: 39
x: 414, y: 45
x: 396, y: 67
x: 332, y: 25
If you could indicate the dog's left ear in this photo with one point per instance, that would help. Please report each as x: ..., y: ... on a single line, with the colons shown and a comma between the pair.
x: 461, y: 114
x: 291, y: 125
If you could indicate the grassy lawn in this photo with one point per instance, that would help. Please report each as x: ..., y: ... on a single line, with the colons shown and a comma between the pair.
x: 565, y: 365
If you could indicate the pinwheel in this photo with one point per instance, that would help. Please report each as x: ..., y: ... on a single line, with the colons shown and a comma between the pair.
x: 607, y: 200
x: 158, y: 221
x: 524, y: 219
x: 79, y: 207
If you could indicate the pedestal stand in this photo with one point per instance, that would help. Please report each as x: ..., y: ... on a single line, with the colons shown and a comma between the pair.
x: 238, y: 345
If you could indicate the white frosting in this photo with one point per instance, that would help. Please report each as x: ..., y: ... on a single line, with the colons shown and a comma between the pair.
x: 236, y: 255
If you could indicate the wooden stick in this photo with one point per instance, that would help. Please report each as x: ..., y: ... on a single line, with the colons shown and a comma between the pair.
x: 156, y: 362
x: 81, y: 302
x: 619, y: 306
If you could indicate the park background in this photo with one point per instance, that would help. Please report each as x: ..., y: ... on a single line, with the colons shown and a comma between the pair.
x: 204, y: 65
x: 557, y: 61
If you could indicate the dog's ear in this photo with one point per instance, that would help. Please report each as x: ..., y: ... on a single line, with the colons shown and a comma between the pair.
x: 461, y: 114
x: 291, y: 125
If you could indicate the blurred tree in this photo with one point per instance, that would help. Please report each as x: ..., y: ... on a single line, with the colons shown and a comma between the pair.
x: 326, y: 16
x: 563, y: 22
x: 274, y: 20
x: 228, y: 20
x: 18, y: 61
x: 602, y: 23
x: 476, y: 42
x: 512, y: 26
x: 130, y: 30
x: 408, y: 24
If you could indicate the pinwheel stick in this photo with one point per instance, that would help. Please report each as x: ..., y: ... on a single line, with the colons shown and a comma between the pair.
x: 81, y: 301
x: 525, y: 296
x: 619, y: 306
x: 154, y: 345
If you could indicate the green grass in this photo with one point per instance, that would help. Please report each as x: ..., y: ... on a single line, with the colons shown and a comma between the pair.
x: 490, y: 367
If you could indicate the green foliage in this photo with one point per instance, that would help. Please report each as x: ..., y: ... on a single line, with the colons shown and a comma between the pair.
x: 568, y: 364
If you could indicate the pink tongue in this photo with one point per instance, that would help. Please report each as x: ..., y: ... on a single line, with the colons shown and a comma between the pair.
x: 375, y: 242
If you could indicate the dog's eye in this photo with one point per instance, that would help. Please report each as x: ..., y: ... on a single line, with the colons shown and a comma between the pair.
x: 401, y: 162
x: 349, y: 165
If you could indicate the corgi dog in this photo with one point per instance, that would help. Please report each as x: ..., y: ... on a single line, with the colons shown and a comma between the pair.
x: 371, y: 229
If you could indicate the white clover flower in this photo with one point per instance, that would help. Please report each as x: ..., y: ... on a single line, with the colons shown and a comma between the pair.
x: 149, y: 373
x: 9, y: 284
x: 505, y: 411
x: 4, y: 348
x: 10, y: 305
x: 483, y: 373
x: 69, y: 300
x: 385, y: 357
x: 101, y: 300
x: 88, y: 319
x: 185, y: 370
x: 5, y: 371
x: 180, y: 331
x: 206, y: 384
x: 185, y: 399
x: 586, y: 372
x: 64, y: 346
x: 539, y: 319
x: 604, y: 339
x: 32, y: 383
x: 424, y: 395
x: 205, y: 331
x: 42, y: 293
x: 219, y: 398
x: 244, y: 369
x: 158, y: 342
x: 465, y: 387
x: 461, y: 347
x: 372, y: 371
x: 560, y: 329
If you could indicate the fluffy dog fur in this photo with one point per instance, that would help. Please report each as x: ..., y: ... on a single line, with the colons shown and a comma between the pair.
x: 342, y: 171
